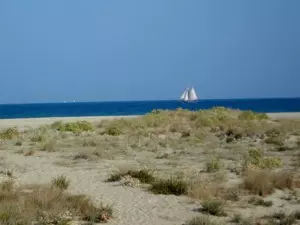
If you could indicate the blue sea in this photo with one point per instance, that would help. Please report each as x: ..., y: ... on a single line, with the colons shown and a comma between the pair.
x: 10, y: 111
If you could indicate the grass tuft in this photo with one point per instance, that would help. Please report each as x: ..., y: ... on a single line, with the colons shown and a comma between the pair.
x: 60, y: 182
x: 74, y: 127
x: 170, y: 186
x: 144, y: 176
x: 9, y: 134
x: 200, y: 220
x: 260, y: 202
x: 213, y: 207
x: 213, y: 165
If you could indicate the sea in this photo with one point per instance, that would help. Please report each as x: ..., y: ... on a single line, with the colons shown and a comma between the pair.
x: 39, y: 110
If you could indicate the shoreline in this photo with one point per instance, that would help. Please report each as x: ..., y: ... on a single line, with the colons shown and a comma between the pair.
x: 36, y: 122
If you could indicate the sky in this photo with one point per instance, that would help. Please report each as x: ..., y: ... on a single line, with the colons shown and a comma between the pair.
x: 116, y: 50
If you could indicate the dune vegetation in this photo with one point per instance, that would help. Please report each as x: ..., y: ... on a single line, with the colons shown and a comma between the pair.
x: 228, y: 162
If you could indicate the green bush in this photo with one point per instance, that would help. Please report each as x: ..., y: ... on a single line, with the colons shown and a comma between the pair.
x: 144, y: 176
x: 60, y: 182
x: 213, y: 165
x: 200, y: 220
x: 169, y: 187
x: 250, y: 115
x: 113, y: 131
x: 213, y: 207
x: 75, y: 127
x: 9, y: 134
x: 260, y: 201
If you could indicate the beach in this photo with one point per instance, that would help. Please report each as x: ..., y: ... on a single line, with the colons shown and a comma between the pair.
x: 36, y: 122
x: 209, y: 163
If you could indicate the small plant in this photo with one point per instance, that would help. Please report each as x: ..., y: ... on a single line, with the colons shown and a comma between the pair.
x: 260, y: 201
x: 274, y: 140
x: 259, y: 182
x: 270, y: 163
x: 29, y: 153
x: 9, y: 134
x: 256, y: 158
x: 113, y: 131
x: 89, y: 143
x: 170, y: 186
x: 213, y: 165
x: 281, y: 218
x: 200, y: 220
x: 74, y: 127
x: 19, y: 143
x: 81, y: 155
x: 38, y: 138
x: 237, y: 218
x: 143, y: 176
x: 250, y: 115
x: 213, y: 207
x: 49, y: 146
x: 60, y: 182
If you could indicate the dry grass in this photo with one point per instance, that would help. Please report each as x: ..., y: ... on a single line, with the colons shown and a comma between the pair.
x: 263, y: 182
x: 43, y: 205
x: 201, y: 220
x: 60, y: 182
x: 232, y: 146
x: 213, y: 207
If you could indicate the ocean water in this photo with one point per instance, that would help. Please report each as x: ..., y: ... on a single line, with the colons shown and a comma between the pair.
x: 10, y: 111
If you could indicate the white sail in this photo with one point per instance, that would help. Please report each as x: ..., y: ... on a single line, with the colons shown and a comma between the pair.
x: 186, y: 96
x: 192, y: 96
x: 183, y: 95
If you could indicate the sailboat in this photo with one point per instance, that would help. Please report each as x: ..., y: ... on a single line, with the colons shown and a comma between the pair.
x: 189, y: 95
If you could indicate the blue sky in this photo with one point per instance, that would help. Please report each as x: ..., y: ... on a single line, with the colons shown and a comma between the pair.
x: 99, y: 50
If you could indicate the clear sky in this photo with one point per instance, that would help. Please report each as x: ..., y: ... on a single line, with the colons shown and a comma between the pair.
x: 109, y: 50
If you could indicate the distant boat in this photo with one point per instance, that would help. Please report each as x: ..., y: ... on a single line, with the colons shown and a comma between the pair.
x: 189, y: 95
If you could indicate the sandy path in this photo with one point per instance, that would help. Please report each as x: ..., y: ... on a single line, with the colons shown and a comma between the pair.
x: 132, y: 206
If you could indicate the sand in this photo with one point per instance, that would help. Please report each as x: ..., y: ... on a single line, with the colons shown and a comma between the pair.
x: 132, y: 206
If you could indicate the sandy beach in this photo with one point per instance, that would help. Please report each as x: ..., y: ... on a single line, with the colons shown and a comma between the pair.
x: 175, y: 148
x: 36, y: 122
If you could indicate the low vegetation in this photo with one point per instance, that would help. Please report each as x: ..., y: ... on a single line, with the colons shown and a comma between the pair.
x: 221, y: 155
x: 75, y: 127
x: 60, y: 182
x: 213, y: 207
x: 9, y: 134
x: 201, y: 220
x: 44, y: 205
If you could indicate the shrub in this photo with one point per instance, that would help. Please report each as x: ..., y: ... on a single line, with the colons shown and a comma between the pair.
x: 19, y: 143
x: 260, y: 201
x: 9, y: 134
x: 200, y: 220
x: 49, y: 146
x: 274, y: 140
x: 80, y: 155
x: 38, y: 138
x: 250, y: 115
x: 282, y: 219
x: 60, y: 182
x: 256, y: 158
x: 48, y: 206
x: 75, y: 127
x: 143, y: 176
x: 263, y: 182
x: 213, y: 207
x: 169, y: 187
x: 113, y: 131
x: 29, y: 153
x: 259, y: 182
x: 213, y: 165
x: 270, y: 163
